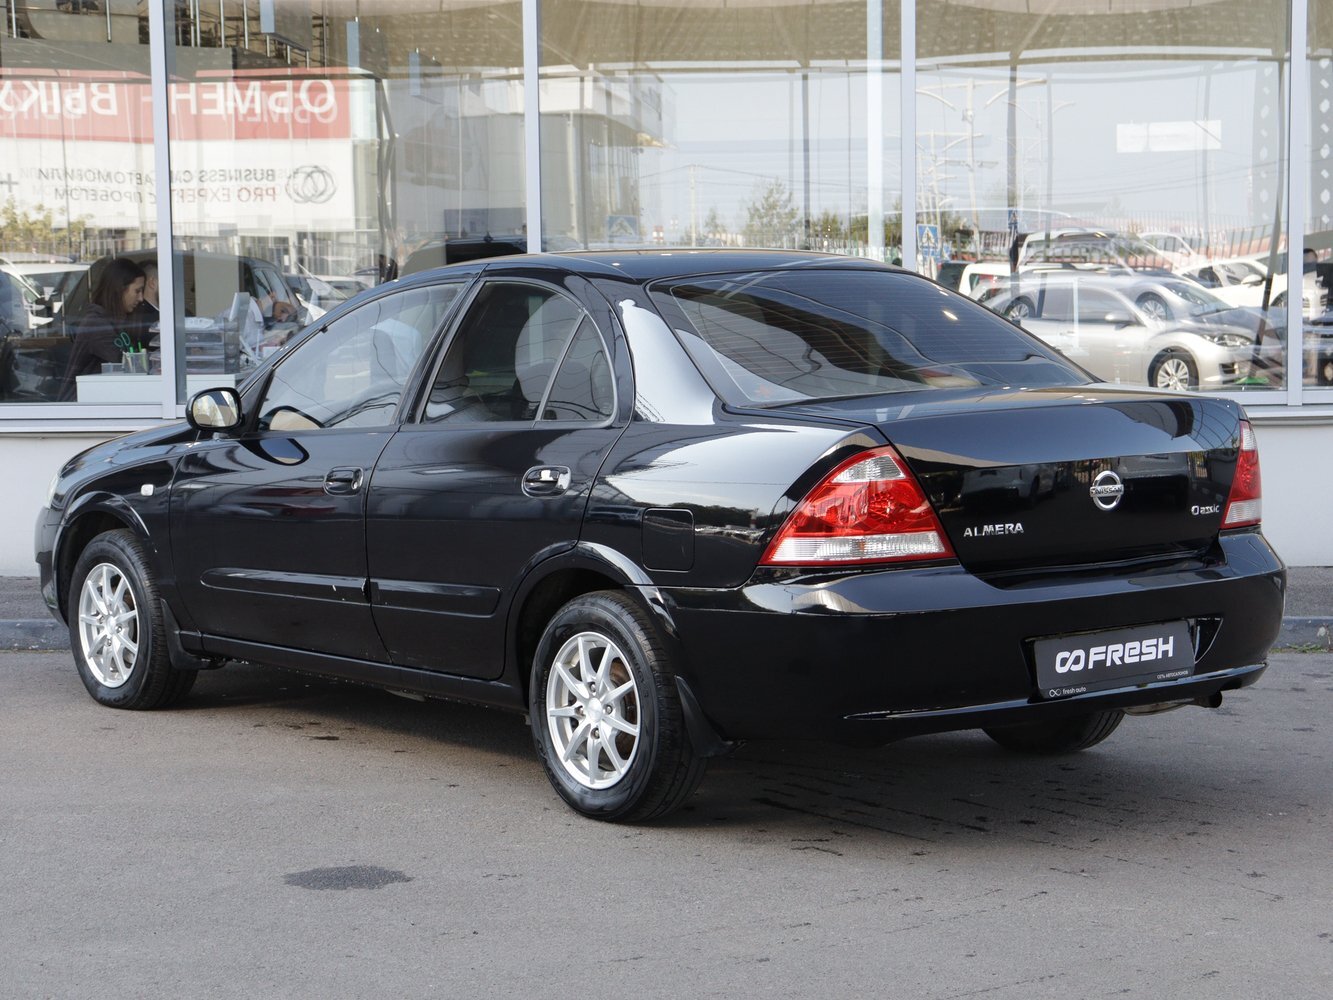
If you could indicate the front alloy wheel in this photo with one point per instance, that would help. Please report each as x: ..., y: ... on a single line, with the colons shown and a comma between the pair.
x: 1174, y: 370
x: 108, y: 625
x: 117, y: 627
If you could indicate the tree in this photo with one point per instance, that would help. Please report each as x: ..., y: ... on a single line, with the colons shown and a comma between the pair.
x: 771, y: 218
x: 827, y: 231
x: 36, y: 231
x: 715, y: 232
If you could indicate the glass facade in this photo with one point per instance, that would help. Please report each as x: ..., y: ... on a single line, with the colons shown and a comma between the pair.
x: 1113, y: 175
x: 719, y: 124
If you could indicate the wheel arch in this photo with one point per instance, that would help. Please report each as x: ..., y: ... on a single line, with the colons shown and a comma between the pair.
x: 586, y: 568
x: 93, y: 515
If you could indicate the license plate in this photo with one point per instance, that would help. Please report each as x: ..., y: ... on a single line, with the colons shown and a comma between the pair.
x: 1076, y: 664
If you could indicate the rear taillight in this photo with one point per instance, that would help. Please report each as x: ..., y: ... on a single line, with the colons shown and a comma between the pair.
x: 1246, y: 498
x: 869, y: 509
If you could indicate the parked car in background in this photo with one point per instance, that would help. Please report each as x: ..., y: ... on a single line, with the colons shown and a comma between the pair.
x: 665, y: 502
x: 16, y: 296
x: 984, y: 277
x: 346, y: 286
x: 53, y: 281
x: 1100, y: 321
x: 26, y: 294
x: 1175, y: 248
x: 950, y: 273
x: 314, y: 290
x: 1237, y: 282
x: 1091, y: 249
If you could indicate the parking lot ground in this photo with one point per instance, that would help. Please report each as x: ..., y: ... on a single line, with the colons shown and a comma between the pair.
x: 281, y: 836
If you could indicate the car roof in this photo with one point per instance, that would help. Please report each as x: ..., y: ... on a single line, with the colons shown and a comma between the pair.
x: 649, y: 265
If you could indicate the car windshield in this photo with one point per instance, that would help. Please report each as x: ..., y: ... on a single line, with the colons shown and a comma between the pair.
x: 1201, y: 300
x: 780, y: 337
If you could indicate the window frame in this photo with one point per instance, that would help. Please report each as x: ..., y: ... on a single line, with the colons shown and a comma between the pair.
x: 451, y: 335
x: 256, y: 391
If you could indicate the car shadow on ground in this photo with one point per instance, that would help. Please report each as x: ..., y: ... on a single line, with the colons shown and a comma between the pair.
x: 947, y: 788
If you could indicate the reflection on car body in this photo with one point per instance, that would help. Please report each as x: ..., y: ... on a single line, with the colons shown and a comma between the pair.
x: 665, y: 502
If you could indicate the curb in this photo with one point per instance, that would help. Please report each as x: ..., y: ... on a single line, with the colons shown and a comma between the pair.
x: 1305, y: 634
x: 33, y: 634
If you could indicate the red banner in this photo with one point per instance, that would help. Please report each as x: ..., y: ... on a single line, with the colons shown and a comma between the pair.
x: 86, y: 108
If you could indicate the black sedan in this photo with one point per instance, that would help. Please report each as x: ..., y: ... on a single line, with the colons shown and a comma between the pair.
x: 667, y: 501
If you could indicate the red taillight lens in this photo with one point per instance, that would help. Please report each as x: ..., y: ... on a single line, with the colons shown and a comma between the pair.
x: 869, y: 509
x: 1246, y: 499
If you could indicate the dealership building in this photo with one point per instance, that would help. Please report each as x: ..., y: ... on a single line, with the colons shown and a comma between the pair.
x: 342, y: 142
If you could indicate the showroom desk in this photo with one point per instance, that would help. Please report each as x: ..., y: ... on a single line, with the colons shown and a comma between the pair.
x: 141, y: 388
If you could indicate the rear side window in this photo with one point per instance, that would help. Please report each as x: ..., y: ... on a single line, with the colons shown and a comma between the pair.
x: 776, y: 337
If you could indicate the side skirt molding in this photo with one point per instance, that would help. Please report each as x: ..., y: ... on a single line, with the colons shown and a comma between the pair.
x: 495, y: 694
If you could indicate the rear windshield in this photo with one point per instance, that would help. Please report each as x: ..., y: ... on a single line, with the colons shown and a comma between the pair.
x: 779, y: 337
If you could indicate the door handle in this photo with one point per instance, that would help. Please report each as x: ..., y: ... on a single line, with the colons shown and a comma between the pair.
x: 343, y: 481
x: 546, y: 480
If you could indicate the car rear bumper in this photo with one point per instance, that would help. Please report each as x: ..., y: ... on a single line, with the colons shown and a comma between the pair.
x: 875, y: 656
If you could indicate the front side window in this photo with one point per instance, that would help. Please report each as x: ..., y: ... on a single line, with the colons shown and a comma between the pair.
x: 522, y: 353
x: 353, y: 373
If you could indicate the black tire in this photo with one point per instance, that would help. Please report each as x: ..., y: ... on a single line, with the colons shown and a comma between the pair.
x: 1062, y: 736
x: 1173, y: 369
x: 129, y: 667
x: 658, y: 768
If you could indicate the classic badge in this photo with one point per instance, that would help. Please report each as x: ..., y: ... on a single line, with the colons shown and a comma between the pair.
x: 1106, y: 490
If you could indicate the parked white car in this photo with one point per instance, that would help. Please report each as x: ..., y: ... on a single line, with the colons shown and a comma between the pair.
x: 1174, y: 248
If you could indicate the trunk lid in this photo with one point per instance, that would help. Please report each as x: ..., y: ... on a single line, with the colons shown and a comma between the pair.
x: 1024, y: 479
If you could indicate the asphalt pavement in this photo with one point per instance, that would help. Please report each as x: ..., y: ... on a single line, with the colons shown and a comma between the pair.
x: 280, y: 836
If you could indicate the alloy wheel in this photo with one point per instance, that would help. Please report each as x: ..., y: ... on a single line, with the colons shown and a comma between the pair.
x: 108, y: 625
x: 1173, y: 373
x: 592, y: 710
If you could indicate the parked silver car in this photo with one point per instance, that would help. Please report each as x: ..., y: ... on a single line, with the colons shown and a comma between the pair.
x: 1096, y: 320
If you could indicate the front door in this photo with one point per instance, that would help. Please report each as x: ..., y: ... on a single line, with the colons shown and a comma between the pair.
x: 268, y: 527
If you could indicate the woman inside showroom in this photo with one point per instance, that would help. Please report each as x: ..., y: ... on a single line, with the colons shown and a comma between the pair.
x: 106, y: 331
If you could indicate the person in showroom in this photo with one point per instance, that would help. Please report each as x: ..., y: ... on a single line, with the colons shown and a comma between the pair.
x: 107, y: 329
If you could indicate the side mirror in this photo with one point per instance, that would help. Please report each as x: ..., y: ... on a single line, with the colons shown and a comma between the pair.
x: 1251, y: 279
x: 1120, y: 319
x: 214, y: 410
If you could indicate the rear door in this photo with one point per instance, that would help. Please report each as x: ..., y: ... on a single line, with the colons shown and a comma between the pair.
x: 494, y: 472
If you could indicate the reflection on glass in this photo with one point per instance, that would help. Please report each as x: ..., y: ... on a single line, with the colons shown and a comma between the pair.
x: 688, y: 123
x: 1112, y: 179
x: 320, y: 149
x: 76, y: 185
x: 1318, y: 264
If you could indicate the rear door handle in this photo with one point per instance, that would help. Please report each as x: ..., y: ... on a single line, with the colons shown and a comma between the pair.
x: 546, y: 480
x: 340, y: 482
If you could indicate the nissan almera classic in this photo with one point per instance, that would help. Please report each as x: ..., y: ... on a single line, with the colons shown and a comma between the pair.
x: 666, y: 502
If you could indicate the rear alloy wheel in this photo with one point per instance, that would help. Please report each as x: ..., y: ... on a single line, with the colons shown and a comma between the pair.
x: 1063, y: 736
x: 1173, y: 369
x: 116, y: 629
x: 606, y: 717
x: 1019, y: 310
